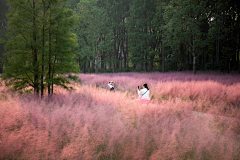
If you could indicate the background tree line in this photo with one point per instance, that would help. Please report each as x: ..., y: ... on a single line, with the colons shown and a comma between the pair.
x: 43, y: 39
x: 157, y: 35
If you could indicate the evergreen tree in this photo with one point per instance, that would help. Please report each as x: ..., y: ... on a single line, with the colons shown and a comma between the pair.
x: 35, y: 26
x: 146, y: 39
x: 183, y: 25
x: 3, y: 30
x: 92, y: 18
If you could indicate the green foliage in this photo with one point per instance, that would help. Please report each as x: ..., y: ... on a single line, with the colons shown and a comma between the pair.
x: 40, y: 44
x: 117, y: 36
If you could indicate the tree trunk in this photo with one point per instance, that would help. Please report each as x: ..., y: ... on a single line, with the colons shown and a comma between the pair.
x: 84, y: 67
x: 151, y: 57
x: 96, y: 45
x: 163, y: 56
x: 217, y: 48
x: 115, y: 50
x: 1, y: 60
x: 194, y: 63
x: 118, y: 54
x: 238, y: 68
x: 124, y: 53
x: 146, y: 63
x: 127, y: 50
x: 114, y: 56
x: 102, y: 59
x: 175, y: 59
x: 181, y: 48
x: 110, y: 61
x: 43, y: 44
x: 53, y: 71
x: 190, y: 60
x: 49, y: 57
x: 35, y: 57
x: 203, y: 61
x: 234, y: 61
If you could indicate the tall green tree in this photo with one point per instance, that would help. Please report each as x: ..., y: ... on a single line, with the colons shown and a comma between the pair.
x: 183, y: 25
x: 225, y: 33
x: 92, y: 18
x: 3, y: 29
x: 143, y: 32
x: 33, y: 27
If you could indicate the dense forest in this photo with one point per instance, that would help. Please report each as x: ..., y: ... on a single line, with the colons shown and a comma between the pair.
x: 41, y: 39
x: 158, y: 35
x: 155, y: 35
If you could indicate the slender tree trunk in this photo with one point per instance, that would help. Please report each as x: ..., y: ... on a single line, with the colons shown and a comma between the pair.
x: 43, y: 45
x: 163, y: 55
x: 194, y: 57
x: 49, y: 65
x: 203, y: 61
x: 160, y: 57
x: 207, y: 58
x: 217, y: 48
x: 115, y: 50
x: 97, y: 56
x: 102, y: 59
x: 124, y: 52
x: 234, y: 61
x: 110, y: 61
x: 118, y: 54
x: 238, y: 65
x: 89, y: 66
x: 54, y: 63
x: 145, y: 30
x: 1, y: 60
x: 151, y: 56
x: 84, y: 67
x: 194, y: 63
x: 181, y: 48
x: 238, y: 68
x: 53, y: 71
x: 49, y: 57
x: 127, y: 50
x: 2, y: 49
x: 35, y: 57
x: 190, y: 59
x: 175, y: 59
x: 146, y: 63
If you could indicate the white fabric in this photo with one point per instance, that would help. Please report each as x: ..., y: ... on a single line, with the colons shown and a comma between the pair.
x: 146, y: 95
x: 110, y: 86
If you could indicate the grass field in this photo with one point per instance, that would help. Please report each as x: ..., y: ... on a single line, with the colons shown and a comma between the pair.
x: 189, y: 117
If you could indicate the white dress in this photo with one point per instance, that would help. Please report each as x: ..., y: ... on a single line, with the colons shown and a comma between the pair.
x: 144, y: 93
x: 110, y: 86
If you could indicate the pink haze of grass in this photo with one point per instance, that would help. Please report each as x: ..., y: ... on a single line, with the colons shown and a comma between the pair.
x: 206, y: 92
x: 93, y: 123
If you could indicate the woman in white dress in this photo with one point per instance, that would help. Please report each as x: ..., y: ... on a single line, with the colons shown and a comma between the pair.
x: 144, y: 93
x: 111, y: 86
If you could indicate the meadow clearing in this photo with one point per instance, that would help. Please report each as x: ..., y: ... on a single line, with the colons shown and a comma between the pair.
x: 189, y: 117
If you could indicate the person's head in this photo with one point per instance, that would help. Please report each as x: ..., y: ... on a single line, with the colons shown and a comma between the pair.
x: 145, y: 86
x: 111, y: 82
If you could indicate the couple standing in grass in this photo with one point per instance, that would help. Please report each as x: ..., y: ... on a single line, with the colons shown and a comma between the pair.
x: 143, y: 93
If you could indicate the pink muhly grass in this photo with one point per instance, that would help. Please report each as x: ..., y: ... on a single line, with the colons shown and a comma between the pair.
x: 204, y: 92
x: 93, y: 123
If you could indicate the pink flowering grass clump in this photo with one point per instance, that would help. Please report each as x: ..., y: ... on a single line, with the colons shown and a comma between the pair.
x: 91, y: 122
x: 206, y: 92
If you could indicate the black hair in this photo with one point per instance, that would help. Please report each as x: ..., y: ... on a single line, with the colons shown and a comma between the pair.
x: 145, y: 85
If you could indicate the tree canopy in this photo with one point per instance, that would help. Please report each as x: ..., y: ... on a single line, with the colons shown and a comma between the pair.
x: 48, y: 38
x: 159, y: 35
x: 40, y: 45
